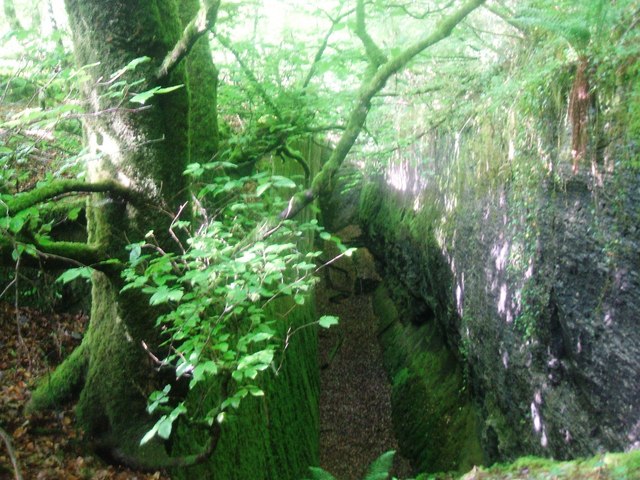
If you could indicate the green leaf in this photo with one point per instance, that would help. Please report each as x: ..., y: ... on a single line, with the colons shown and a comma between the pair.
x: 149, y: 435
x: 164, y: 427
x: 73, y: 273
x: 202, y: 370
x: 73, y: 214
x: 134, y: 254
x: 142, y: 97
x: 163, y: 295
x: 194, y: 169
x: 134, y: 63
x: 260, y: 337
x: 283, y: 182
x: 158, y: 398
x: 262, y: 188
x: 169, y: 89
x: 255, y: 391
x: 327, y: 321
x: 319, y: 474
x: 325, y: 235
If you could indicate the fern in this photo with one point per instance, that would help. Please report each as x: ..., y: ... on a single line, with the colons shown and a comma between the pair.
x: 379, y: 469
x: 320, y: 474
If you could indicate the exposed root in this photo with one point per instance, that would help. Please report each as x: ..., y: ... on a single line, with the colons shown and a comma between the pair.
x: 63, y: 384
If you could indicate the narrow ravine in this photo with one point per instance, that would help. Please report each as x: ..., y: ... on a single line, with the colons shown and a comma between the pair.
x: 355, y: 404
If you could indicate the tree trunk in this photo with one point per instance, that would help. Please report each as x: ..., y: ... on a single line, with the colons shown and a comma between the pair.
x: 146, y: 150
x: 203, y: 89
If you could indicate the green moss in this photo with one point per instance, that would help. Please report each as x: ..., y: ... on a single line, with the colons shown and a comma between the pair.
x: 62, y: 384
x: 610, y: 466
x: 434, y: 419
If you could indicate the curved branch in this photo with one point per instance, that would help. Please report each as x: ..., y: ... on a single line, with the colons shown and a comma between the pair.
x: 46, y: 192
x: 139, y: 463
x: 204, y: 20
x: 297, y: 156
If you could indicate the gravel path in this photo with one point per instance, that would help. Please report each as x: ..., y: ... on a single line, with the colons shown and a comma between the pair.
x: 355, y: 408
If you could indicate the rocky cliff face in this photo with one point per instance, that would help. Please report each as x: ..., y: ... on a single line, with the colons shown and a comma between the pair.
x: 530, y: 270
x: 543, y: 312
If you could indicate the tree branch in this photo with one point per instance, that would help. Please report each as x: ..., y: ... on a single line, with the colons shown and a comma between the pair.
x: 56, y: 255
x: 297, y: 156
x: 421, y: 16
x: 322, y: 48
x: 373, y: 83
x: 368, y: 89
x: 48, y: 191
x: 250, y: 75
x: 204, y: 20
x: 376, y: 57
x: 430, y: 89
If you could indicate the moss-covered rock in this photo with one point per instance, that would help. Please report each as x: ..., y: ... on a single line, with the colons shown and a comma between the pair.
x: 434, y: 419
x: 610, y: 466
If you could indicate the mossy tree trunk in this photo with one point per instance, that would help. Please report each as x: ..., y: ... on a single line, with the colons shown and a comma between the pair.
x: 203, y: 90
x: 145, y: 150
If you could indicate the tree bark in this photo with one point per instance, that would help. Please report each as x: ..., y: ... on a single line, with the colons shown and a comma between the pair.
x: 144, y: 152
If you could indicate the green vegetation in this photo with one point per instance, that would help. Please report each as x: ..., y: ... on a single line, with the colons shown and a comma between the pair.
x: 181, y: 147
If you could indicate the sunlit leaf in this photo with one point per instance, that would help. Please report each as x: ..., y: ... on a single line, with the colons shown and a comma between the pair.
x: 327, y: 321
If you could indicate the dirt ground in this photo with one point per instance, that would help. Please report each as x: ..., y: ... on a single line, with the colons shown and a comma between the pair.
x: 355, y: 405
x: 46, y: 446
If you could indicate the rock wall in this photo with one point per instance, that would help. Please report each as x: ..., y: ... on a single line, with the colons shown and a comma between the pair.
x: 529, y: 267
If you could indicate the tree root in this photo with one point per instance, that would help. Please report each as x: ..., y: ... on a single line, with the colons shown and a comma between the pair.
x: 63, y: 384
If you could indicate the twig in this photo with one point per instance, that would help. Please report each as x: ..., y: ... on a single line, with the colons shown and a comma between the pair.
x: 12, y: 454
x: 323, y: 47
x: 172, y: 233
x: 7, y: 288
